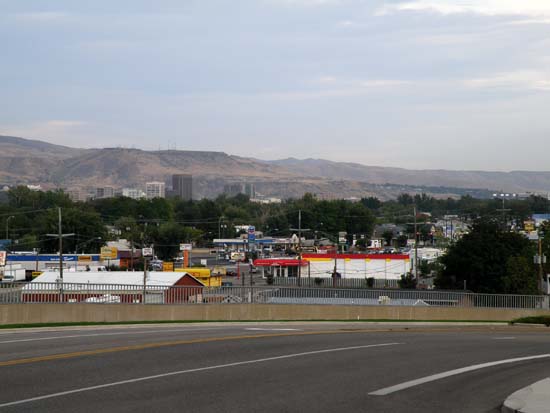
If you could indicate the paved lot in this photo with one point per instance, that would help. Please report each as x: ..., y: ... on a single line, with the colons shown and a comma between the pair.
x: 271, y: 367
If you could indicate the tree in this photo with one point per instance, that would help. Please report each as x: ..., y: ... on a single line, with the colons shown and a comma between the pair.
x: 407, y: 281
x: 482, y: 259
x: 402, y: 241
x: 388, y: 236
x: 521, y: 277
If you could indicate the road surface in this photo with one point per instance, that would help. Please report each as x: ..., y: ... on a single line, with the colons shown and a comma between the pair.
x: 269, y: 367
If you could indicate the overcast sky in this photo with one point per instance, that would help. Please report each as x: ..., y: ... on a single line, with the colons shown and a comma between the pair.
x: 452, y: 84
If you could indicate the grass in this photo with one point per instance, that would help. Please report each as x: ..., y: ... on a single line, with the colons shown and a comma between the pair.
x: 541, y: 319
x: 109, y: 323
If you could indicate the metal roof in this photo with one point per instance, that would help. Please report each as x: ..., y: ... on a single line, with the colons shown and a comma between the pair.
x: 111, y: 277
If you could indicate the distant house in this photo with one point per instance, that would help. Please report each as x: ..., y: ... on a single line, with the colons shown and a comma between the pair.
x: 114, y: 287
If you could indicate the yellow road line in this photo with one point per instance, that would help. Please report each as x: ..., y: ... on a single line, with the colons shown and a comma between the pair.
x: 167, y: 344
x: 63, y: 356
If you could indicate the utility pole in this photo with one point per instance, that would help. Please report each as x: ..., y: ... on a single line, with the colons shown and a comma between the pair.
x: 415, y: 244
x: 300, y: 230
x: 299, y: 247
x: 8, y: 227
x: 542, y: 259
x: 335, y: 263
x: 60, y: 235
x: 144, y: 279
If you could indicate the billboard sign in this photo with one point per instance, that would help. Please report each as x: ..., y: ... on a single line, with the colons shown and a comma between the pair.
x: 2, y: 258
x: 186, y: 247
x: 108, y: 253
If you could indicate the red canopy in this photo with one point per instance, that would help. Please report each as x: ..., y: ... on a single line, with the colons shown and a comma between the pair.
x: 279, y: 263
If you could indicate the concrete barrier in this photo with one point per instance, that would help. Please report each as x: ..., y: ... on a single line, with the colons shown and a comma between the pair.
x: 65, y: 313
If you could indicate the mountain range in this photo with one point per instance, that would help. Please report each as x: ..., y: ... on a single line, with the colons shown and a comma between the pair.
x: 25, y: 161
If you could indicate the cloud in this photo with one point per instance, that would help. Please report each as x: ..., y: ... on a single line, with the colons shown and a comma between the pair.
x: 333, y: 87
x: 531, y: 8
x: 41, y: 16
x: 524, y: 79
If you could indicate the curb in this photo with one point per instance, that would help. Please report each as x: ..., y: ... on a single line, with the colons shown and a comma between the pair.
x: 531, y: 399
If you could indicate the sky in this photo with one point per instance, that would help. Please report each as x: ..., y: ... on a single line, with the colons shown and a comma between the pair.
x: 422, y: 84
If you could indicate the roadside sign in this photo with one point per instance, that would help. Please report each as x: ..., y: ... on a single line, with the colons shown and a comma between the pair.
x: 108, y: 253
x: 251, y: 234
x: 2, y: 258
x: 168, y: 266
x: 84, y: 258
x: 186, y: 247
x: 342, y: 237
x: 147, y: 252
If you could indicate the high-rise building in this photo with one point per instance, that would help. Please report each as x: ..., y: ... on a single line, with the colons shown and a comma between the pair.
x: 240, y: 188
x: 182, y: 186
x: 105, y: 192
x: 155, y: 190
x: 250, y: 190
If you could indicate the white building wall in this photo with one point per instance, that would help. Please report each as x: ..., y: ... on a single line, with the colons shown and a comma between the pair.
x: 390, y: 269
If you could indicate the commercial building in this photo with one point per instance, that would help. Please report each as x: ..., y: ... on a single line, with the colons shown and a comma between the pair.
x: 133, y: 193
x: 240, y: 188
x: 182, y: 186
x: 105, y: 192
x: 77, y: 194
x: 388, y: 267
x: 114, y: 287
x: 155, y: 190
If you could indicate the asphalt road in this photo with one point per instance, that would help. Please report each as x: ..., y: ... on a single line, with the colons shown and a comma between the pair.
x: 270, y: 367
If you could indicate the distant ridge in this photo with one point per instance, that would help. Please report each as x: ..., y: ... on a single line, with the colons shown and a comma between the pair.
x: 25, y: 161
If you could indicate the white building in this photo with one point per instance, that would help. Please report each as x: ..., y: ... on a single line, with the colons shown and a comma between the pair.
x: 379, y: 266
x: 155, y: 190
x: 133, y: 193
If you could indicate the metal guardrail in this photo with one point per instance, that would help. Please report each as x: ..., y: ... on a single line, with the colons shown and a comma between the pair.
x: 157, y: 294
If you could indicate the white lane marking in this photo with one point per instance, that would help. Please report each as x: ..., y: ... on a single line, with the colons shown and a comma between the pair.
x: 21, y: 340
x: 272, y: 329
x: 175, y: 373
x: 428, y: 379
x: 504, y: 338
